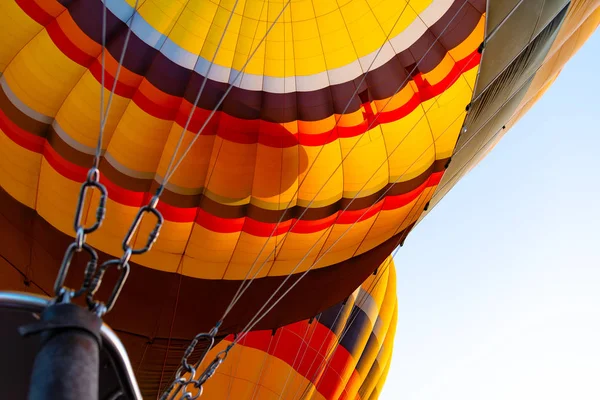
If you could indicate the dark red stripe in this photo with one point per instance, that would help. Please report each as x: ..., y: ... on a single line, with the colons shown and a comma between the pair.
x: 36, y: 13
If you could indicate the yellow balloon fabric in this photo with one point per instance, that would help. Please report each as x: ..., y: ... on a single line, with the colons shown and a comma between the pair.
x: 297, y: 154
x: 338, y: 122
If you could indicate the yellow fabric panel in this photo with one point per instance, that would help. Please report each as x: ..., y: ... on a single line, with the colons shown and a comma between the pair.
x: 246, y: 374
x: 275, y: 183
x: 316, y: 35
x: 41, y: 76
x: 365, y: 166
x: 17, y: 29
x: 20, y: 170
x: 163, y: 15
x: 384, y: 360
x: 400, y: 13
x: 208, y: 253
x: 230, y: 255
x: 232, y: 162
x: 193, y: 170
x: 410, y: 146
x: 247, y: 250
x: 79, y: 115
x: 295, y: 248
x: 139, y: 139
x: 388, y: 305
x: 278, y: 53
x: 57, y: 199
x: 390, y: 222
x: 335, y: 40
x: 321, y: 174
x: 347, y: 239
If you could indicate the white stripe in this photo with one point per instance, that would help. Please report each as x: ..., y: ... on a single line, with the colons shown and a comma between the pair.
x: 271, y: 84
x: 22, y: 106
x: 71, y: 141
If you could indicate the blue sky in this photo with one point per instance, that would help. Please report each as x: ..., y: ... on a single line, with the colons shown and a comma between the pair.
x: 499, y: 287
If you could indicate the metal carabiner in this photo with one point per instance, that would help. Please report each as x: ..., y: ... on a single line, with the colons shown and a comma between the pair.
x: 100, y: 211
x: 66, y: 263
x: 99, y: 307
x: 153, y: 236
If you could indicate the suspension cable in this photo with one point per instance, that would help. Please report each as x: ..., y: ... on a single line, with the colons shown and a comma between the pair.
x: 477, y: 152
x: 258, y: 318
x: 180, y: 383
x: 356, y: 196
x: 221, y: 356
x: 242, y: 290
x: 253, y: 323
x: 92, y: 181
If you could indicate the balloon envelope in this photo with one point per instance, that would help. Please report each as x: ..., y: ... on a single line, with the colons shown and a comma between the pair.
x: 341, y: 129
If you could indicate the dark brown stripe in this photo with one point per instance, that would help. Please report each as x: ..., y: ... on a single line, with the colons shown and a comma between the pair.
x: 20, y: 119
x: 381, y: 83
x: 215, y: 208
x: 145, y: 308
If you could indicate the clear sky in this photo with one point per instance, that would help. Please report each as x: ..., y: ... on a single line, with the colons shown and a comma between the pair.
x: 499, y: 287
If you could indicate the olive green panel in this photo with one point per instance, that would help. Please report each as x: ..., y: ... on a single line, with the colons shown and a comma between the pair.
x: 512, y: 35
x: 491, y: 109
x: 497, y: 11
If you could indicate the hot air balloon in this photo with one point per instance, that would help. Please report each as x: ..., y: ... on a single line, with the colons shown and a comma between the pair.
x: 295, y: 143
x: 342, y: 353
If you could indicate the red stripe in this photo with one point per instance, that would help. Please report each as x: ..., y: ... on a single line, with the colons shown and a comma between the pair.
x: 121, y: 89
x: 68, y: 48
x: 34, y: 11
x: 331, y: 379
x: 308, y: 360
x: 67, y: 169
x: 20, y: 136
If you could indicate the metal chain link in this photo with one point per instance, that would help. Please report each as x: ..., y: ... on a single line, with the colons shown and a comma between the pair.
x: 63, y: 293
x: 181, y: 383
x: 122, y: 264
x: 93, y: 275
